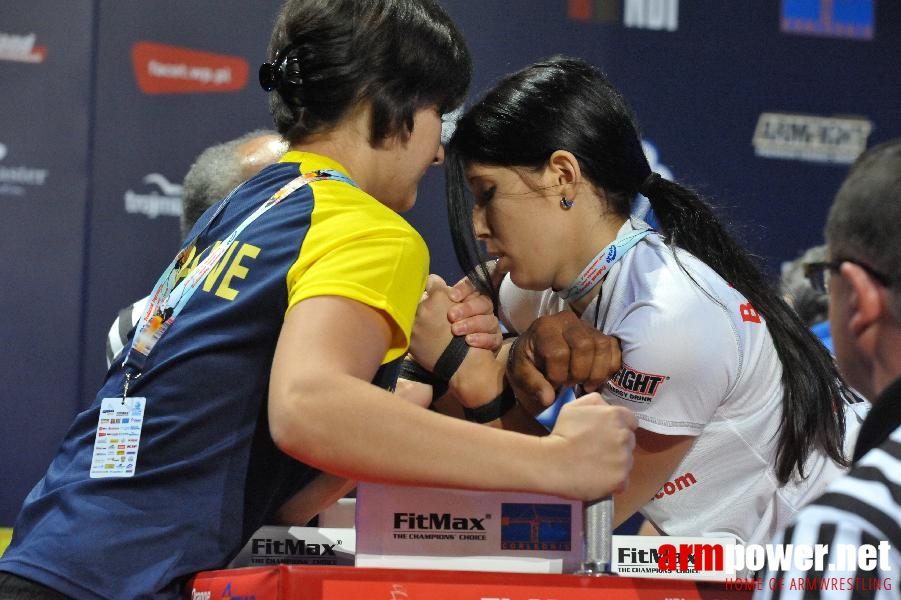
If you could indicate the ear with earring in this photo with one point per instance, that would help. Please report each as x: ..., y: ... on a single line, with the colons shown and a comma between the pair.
x: 567, y: 203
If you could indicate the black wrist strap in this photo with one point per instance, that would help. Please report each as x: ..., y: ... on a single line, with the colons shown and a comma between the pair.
x: 413, y: 371
x: 451, y: 359
x: 495, y: 409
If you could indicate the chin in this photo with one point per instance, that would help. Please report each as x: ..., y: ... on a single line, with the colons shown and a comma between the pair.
x: 407, y: 203
x: 524, y: 283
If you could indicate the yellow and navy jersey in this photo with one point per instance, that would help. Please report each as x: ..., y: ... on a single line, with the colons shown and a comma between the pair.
x: 207, y: 472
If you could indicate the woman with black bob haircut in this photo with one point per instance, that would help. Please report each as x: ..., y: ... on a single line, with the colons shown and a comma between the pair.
x: 330, y: 56
x: 742, y: 414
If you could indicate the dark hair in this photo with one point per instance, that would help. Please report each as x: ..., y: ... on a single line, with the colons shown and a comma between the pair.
x: 566, y: 104
x: 399, y: 55
x: 213, y: 175
x: 863, y: 220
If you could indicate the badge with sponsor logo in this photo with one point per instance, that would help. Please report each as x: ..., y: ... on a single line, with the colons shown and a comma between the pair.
x: 117, y: 438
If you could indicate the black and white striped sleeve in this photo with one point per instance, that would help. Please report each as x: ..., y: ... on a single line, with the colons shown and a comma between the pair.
x: 863, y: 508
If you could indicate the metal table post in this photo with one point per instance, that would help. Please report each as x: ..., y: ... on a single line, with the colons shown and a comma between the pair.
x: 597, y: 547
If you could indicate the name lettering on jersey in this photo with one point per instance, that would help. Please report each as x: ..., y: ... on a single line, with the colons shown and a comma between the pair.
x: 676, y: 485
x: 233, y: 265
x: 749, y: 313
x: 635, y: 386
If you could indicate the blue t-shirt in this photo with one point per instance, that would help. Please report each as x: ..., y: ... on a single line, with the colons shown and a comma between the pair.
x: 821, y: 330
x: 208, y: 473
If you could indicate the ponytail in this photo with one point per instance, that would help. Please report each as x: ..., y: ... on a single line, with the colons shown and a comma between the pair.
x: 814, y: 392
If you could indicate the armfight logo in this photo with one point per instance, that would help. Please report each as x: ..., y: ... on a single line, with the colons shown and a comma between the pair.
x: 165, y: 202
x: 853, y: 19
x: 635, y: 386
x: 659, y: 15
x: 161, y: 69
x: 811, y: 138
x: 21, y: 48
x: 16, y: 179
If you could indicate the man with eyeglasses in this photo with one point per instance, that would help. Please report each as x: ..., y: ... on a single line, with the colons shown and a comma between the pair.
x: 861, y: 275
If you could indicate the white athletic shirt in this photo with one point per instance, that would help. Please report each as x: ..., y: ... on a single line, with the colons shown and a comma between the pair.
x: 697, y: 360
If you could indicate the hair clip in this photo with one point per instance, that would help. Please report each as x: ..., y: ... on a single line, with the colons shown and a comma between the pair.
x: 272, y: 74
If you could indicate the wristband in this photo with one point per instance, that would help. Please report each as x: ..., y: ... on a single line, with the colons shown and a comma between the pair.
x: 413, y: 371
x: 451, y: 359
x: 492, y: 411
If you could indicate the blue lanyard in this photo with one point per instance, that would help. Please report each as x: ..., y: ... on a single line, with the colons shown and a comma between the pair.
x: 600, y: 265
x: 169, y: 298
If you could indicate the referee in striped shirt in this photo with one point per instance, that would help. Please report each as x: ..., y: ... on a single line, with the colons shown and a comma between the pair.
x: 862, y: 275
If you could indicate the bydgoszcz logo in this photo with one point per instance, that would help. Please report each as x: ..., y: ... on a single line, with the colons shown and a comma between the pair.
x: 811, y: 138
x: 528, y: 526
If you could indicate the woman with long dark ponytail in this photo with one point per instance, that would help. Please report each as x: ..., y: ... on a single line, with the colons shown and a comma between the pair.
x: 742, y: 414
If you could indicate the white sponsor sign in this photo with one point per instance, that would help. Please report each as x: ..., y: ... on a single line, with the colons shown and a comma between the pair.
x: 811, y: 138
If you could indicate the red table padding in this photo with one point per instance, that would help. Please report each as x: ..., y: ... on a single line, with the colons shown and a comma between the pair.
x: 301, y: 582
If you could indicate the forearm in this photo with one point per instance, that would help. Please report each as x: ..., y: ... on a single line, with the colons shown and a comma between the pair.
x: 656, y: 457
x: 394, y: 442
x: 316, y: 496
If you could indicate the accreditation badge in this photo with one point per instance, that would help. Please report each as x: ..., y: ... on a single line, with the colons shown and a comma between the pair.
x: 117, y: 438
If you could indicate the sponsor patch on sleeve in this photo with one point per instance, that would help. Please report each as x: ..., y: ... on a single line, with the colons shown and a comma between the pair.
x: 635, y: 386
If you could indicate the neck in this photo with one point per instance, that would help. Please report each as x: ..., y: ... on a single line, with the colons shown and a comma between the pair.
x: 346, y: 144
x: 582, y: 303
x: 886, y: 362
x: 598, y: 237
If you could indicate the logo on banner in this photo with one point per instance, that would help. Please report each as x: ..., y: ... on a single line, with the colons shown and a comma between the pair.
x: 661, y: 15
x: 161, y: 69
x: 811, y: 138
x: 834, y: 18
x: 536, y: 527
x: 21, y: 48
x: 165, y: 200
x: 15, y: 179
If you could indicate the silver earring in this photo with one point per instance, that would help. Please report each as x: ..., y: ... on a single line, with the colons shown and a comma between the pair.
x: 566, y: 203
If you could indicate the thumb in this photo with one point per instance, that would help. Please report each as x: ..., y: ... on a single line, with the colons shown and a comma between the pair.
x: 434, y: 283
x: 592, y: 399
x: 462, y: 289
x: 531, y: 389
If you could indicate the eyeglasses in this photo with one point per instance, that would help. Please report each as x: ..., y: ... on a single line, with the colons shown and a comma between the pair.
x: 817, y: 273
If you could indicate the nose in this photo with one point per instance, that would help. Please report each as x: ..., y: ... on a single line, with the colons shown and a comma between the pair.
x: 439, y: 156
x: 480, y: 223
